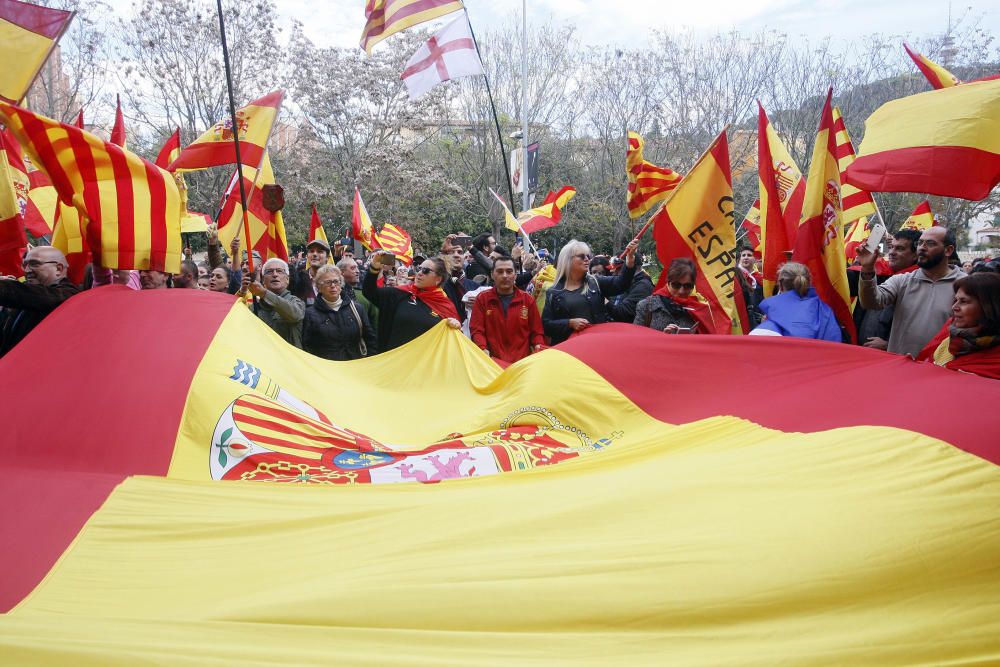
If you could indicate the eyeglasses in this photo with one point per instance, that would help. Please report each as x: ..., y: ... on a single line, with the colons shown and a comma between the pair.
x: 679, y: 286
x: 424, y: 271
x: 584, y: 257
x: 35, y: 263
x: 271, y: 272
x: 330, y: 283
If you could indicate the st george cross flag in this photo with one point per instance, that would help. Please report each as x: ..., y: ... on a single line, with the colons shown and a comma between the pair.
x: 449, y: 54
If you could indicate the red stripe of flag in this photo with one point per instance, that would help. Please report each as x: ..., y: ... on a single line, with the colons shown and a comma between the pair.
x: 125, y: 196
x: 42, y: 21
x: 398, y: 16
x: 158, y: 224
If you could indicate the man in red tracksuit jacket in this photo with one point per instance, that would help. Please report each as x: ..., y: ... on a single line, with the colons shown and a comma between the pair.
x: 505, y: 320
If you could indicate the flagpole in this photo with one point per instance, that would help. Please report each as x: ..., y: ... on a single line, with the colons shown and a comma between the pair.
x: 236, y: 141
x: 524, y: 105
x: 493, y: 107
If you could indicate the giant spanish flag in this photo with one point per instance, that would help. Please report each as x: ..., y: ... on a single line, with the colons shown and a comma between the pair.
x: 696, y: 221
x: 28, y: 33
x: 820, y: 240
x: 385, y: 18
x: 227, y: 507
x: 782, y: 189
x: 131, y: 206
x: 943, y: 142
x: 216, y: 146
x: 648, y: 184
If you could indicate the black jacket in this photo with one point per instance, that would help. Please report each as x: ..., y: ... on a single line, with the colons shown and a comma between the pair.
x: 335, y: 334
x: 555, y: 316
x: 400, y: 318
x: 24, y: 306
x: 622, y: 307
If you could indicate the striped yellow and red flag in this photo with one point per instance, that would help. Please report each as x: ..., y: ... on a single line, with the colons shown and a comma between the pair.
x: 856, y: 203
x: 397, y: 241
x: 267, y: 229
x: 751, y: 223
x: 941, y: 142
x: 216, y: 147
x: 118, y: 129
x: 362, y: 228
x: 938, y: 76
x: 70, y: 236
x: 28, y: 33
x: 548, y: 214
x: 696, y: 221
x: 387, y: 17
x: 132, y: 206
x: 13, y: 200
x: 42, y: 206
x: 804, y: 528
x: 316, y: 231
x: 782, y: 189
x: 820, y: 240
x: 648, y: 184
x: 922, y: 218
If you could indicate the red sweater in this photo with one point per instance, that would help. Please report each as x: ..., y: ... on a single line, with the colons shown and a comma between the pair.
x: 508, y: 338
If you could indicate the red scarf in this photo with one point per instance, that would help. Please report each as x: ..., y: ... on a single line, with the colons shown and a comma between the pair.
x: 435, y: 299
x: 700, y: 312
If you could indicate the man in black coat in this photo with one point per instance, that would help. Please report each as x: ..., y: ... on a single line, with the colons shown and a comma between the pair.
x: 24, y: 305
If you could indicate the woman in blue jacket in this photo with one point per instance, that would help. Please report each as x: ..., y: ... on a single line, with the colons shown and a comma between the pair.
x: 797, y: 311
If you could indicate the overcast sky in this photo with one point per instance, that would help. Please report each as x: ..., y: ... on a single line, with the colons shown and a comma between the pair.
x: 606, y: 22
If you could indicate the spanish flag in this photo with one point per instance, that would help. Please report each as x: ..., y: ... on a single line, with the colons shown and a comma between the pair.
x: 943, y: 142
x: 936, y: 75
x: 13, y: 198
x: 922, y: 218
x: 696, y: 221
x: 548, y: 214
x: 648, y: 184
x: 28, y: 33
x: 782, y: 189
x: 385, y: 18
x: 397, y: 241
x: 229, y: 508
x: 819, y: 243
x: 216, y: 147
x: 132, y: 207
x: 856, y: 203
x: 361, y: 224
x: 267, y: 229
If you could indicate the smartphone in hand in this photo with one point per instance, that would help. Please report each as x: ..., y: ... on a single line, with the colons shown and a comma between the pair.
x: 875, y: 237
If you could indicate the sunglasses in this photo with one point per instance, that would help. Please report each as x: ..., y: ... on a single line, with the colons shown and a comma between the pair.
x: 424, y: 271
x: 679, y: 286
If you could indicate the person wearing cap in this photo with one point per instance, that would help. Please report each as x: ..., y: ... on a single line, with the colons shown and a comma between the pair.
x: 301, y: 284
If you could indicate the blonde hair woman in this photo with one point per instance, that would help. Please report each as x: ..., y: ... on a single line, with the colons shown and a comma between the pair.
x: 797, y: 311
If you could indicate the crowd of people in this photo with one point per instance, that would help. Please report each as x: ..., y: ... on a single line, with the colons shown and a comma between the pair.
x: 917, y: 301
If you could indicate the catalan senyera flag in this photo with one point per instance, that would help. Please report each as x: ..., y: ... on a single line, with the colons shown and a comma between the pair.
x: 28, y: 33
x: 941, y: 142
x: 648, y: 184
x: 132, y: 206
x: 362, y: 228
x: 385, y: 18
x: 922, y: 218
x: 69, y: 235
x: 396, y: 240
x: 751, y: 223
x: 13, y: 199
x: 820, y: 240
x: 118, y: 129
x: 938, y: 76
x: 549, y: 213
x: 267, y: 229
x: 216, y: 147
x: 696, y: 221
x: 856, y: 203
x: 782, y: 189
x: 229, y: 508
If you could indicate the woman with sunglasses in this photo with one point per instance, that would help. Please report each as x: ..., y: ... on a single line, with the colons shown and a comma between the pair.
x: 673, y: 309
x: 407, y: 311
x: 797, y: 310
x: 576, y: 299
x: 335, y: 327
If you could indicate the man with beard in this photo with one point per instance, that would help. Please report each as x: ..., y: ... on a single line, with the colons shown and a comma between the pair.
x: 188, y: 277
x: 24, y: 305
x: 875, y: 326
x: 922, y: 298
x: 278, y: 307
x: 505, y: 321
x: 150, y: 279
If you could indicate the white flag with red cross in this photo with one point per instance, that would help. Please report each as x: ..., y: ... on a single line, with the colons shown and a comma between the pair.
x: 449, y: 54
